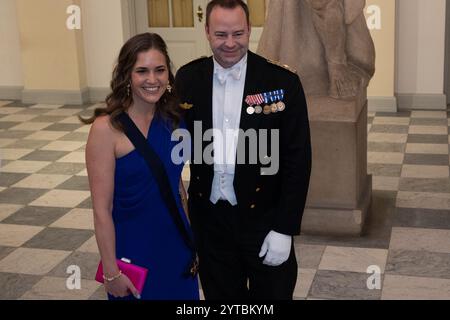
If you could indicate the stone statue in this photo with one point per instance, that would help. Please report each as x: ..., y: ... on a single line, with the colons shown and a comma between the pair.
x: 326, y: 41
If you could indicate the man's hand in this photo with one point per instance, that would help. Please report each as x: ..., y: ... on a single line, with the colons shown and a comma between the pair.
x: 276, y: 247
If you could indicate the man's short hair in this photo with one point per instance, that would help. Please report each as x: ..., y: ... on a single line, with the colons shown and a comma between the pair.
x: 228, y: 4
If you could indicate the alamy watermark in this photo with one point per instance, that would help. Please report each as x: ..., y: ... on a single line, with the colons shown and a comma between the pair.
x: 73, y: 282
x: 374, y: 280
x: 373, y: 19
x: 73, y: 22
x: 228, y: 148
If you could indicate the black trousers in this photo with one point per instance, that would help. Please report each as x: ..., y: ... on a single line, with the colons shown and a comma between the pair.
x: 228, y: 247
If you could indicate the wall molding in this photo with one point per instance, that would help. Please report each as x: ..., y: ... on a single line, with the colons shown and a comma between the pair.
x: 11, y: 92
x: 98, y: 94
x: 76, y: 97
x: 382, y: 104
x: 87, y: 95
x: 414, y: 101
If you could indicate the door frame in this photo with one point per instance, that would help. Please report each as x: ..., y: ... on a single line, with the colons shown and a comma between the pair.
x: 130, y: 21
x: 129, y: 18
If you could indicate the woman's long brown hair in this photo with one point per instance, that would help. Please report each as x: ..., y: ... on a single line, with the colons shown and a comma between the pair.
x: 120, y: 99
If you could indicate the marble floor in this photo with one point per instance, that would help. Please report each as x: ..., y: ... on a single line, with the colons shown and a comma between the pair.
x: 46, y: 213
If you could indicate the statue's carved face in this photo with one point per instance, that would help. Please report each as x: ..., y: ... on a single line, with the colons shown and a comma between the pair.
x: 228, y: 34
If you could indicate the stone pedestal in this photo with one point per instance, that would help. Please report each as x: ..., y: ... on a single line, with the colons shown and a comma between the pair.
x: 340, y: 190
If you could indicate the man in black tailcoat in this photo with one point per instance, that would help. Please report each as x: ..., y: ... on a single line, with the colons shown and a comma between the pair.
x: 246, y: 205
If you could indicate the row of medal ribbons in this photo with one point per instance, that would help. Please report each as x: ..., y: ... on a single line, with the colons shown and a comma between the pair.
x: 273, y: 102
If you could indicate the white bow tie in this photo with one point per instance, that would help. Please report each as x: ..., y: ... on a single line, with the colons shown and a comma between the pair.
x: 222, y: 73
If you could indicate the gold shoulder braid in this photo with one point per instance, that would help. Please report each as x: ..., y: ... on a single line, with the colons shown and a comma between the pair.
x: 285, y: 66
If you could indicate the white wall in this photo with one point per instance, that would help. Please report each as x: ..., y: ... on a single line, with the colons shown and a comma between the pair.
x: 421, y: 47
x: 103, y: 37
x: 10, y: 56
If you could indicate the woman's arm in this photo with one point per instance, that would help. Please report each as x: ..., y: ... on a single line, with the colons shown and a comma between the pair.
x: 100, y: 164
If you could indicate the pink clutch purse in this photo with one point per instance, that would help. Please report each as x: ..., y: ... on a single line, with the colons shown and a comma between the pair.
x: 136, y: 274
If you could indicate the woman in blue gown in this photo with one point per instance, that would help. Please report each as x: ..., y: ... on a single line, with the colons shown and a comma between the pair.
x: 130, y: 217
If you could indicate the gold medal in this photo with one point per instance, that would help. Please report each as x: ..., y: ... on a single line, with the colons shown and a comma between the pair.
x: 281, y: 106
x: 267, y: 109
x: 258, y: 109
x: 273, y: 108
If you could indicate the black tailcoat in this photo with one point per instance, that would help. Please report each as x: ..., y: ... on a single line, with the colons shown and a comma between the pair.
x: 273, y: 202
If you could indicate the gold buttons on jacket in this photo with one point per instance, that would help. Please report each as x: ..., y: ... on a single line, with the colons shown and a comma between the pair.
x: 253, y: 206
x: 258, y: 189
x: 200, y: 194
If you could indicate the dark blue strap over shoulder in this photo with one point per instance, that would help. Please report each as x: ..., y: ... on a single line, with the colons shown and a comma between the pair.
x: 156, y: 166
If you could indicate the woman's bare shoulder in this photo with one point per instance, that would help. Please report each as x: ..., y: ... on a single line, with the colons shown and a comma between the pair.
x: 103, y: 125
x: 103, y: 129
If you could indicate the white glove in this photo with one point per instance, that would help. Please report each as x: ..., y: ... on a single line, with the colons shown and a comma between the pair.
x: 276, y: 247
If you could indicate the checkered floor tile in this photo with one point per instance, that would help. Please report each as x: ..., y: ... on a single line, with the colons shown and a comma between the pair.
x: 46, y: 213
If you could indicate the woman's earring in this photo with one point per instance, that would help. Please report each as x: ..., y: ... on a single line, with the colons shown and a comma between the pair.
x: 128, y: 89
x: 169, y: 88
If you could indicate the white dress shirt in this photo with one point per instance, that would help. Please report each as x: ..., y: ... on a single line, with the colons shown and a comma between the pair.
x: 228, y: 91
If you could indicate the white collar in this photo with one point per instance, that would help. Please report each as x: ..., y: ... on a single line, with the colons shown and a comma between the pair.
x: 235, y: 70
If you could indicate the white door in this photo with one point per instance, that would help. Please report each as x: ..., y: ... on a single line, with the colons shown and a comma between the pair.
x: 181, y: 23
x: 258, y: 11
